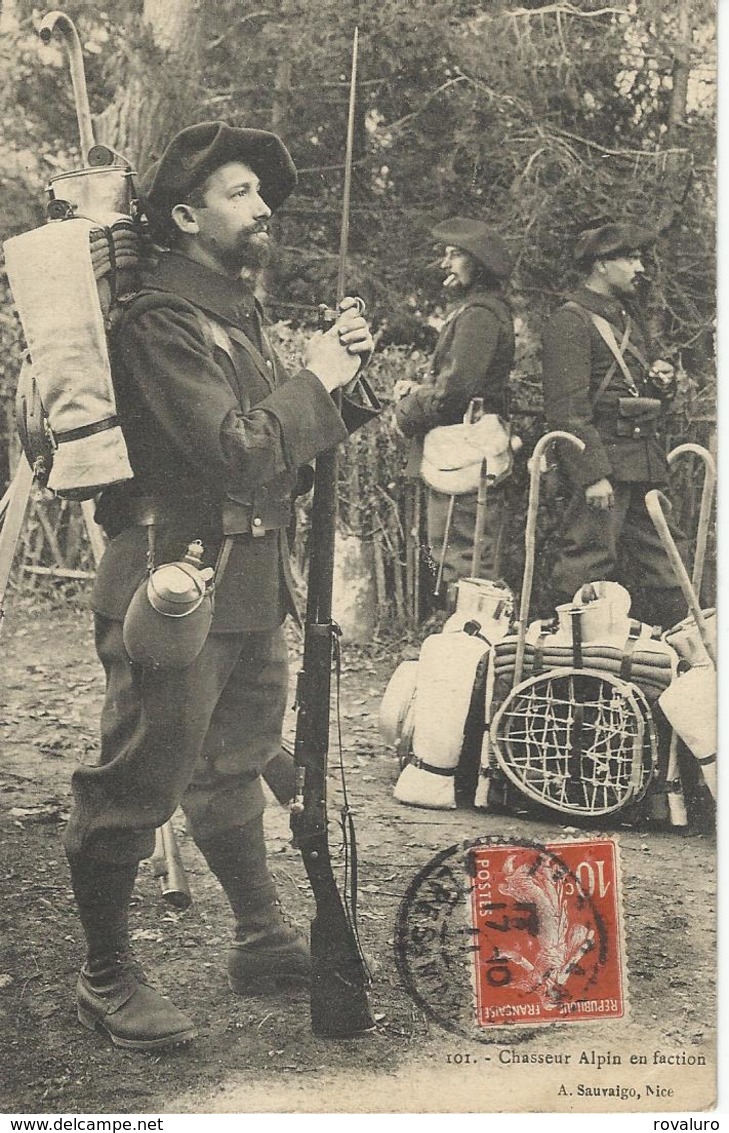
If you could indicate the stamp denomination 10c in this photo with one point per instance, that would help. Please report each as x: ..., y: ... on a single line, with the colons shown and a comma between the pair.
x: 511, y: 933
x: 547, y: 940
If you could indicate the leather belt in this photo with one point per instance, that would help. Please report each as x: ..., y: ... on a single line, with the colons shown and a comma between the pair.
x: 233, y: 517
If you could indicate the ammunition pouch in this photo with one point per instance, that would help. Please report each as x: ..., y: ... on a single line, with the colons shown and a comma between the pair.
x: 637, y: 416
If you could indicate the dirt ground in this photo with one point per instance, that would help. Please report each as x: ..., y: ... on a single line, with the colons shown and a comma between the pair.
x: 259, y: 1054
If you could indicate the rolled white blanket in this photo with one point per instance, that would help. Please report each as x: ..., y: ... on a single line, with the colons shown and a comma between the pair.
x: 396, y: 708
x: 690, y: 706
x: 446, y: 674
x: 52, y: 279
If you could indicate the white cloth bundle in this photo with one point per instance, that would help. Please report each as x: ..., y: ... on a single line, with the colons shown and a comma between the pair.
x: 686, y: 639
x: 53, y: 284
x: 690, y: 706
x: 453, y: 455
x: 396, y: 707
x: 446, y: 675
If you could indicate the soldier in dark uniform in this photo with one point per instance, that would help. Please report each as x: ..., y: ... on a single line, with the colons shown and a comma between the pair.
x: 217, y: 432
x: 601, y: 384
x: 473, y: 359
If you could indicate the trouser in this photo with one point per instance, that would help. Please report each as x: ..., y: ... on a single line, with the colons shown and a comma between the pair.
x: 620, y: 544
x: 458, y: 559
x: 198, y: 737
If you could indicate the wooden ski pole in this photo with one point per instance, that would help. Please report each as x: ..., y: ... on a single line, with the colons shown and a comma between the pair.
x: 479, y: 529
x: 444, y: 549
x: 530, y: 539
x: 707, y: 499
x: 655, y: 503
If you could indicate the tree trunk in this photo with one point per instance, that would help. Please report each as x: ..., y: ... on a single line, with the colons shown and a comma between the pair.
x: 159, y: 87
x: 281, y: 96
x: 681, y: 69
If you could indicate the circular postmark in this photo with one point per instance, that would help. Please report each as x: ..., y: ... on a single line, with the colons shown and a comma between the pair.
x: 498, y: 932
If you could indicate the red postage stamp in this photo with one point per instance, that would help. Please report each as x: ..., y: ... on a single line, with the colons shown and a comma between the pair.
x: 548, y: 942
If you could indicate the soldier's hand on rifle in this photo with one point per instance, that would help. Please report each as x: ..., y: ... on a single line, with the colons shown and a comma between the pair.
x: 600, y: 495
x: 353, y: 329
x: 336, y: 356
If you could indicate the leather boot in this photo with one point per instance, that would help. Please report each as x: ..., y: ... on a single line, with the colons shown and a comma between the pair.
x: 115, y: 996
x: 266, y: 951
x: 112, y: 990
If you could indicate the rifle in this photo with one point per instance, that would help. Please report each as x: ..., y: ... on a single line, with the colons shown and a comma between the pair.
x: 339, y: 980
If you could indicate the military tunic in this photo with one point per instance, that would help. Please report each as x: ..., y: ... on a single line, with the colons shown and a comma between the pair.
x: 217, y: 436
x: 620, y: 543
x: 473, y: 357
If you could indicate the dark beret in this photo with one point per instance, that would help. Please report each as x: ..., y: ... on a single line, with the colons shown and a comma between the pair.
x: 479, y: 240
x: 610, y: 240
x: 197, y: 151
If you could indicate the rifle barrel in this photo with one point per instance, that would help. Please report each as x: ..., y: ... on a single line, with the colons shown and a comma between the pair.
x: 344, y: 234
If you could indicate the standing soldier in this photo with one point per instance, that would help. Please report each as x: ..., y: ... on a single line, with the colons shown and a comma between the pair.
x: 473, y: 359
x: 600, y: 384
x: 217, y: 432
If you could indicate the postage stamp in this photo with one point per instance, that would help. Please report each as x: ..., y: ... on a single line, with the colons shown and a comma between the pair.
x: 511, y: 933
x: 547, y: 933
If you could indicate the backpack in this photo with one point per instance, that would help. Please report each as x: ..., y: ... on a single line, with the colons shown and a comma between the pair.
x: 68, y: 279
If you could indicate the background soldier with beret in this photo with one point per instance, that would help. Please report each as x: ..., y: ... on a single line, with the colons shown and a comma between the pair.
x: 600, y: 384
x: 473, y: 358
x: 217, y: 432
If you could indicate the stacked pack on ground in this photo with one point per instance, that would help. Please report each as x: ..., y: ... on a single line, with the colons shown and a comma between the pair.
x: 593, y: 632
x: 583, y: 637
x: 425, y: 708
x: 447, y: 670
x: 487, y: 605
x: 54, y: 286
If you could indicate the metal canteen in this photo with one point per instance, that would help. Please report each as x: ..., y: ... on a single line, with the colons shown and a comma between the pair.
x: 170, y: 614
x: 176, y: 589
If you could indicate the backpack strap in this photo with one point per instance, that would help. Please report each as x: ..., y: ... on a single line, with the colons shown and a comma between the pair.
x: 607, y: 334
x: 626, y: 661
x: 214, y: 331
x: 498, y: 307
x: 215, y: 334
x: 218, y: 334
